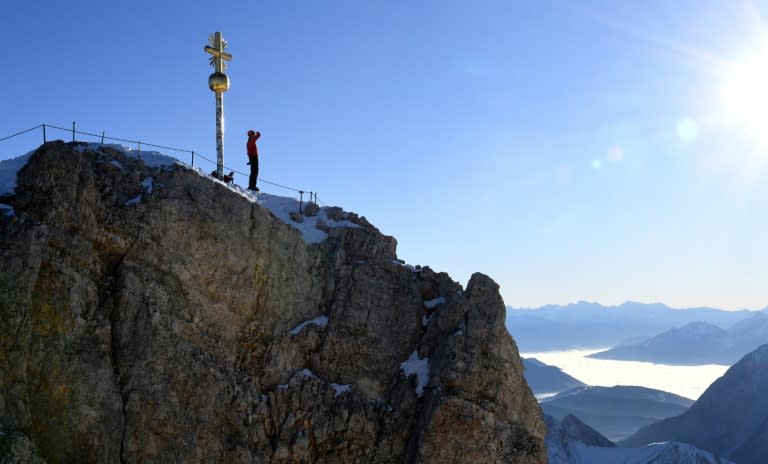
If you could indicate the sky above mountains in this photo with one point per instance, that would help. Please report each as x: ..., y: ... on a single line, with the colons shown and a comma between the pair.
x: 597, y: 150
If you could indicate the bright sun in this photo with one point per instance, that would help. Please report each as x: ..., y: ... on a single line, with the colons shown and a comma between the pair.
x: 745, y: 95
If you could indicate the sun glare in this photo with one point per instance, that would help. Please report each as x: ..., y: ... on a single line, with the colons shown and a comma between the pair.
x: 745, y: 95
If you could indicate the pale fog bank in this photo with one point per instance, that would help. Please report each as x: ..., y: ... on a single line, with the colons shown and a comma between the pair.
x: 687, y: 381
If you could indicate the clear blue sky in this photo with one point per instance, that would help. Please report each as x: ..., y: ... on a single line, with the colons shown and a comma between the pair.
x: 572, y: 150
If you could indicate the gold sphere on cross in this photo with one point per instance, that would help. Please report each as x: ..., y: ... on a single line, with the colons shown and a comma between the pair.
x: 218, y: 82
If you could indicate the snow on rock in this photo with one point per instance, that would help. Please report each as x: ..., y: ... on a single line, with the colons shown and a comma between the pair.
x: 418, y: 367
x: 133, y: 201
x: 286, y: 209
x: 655, y: 453
x: 302, y: 373
x: 320, y: 321
x: 308, y: 373
x: 565, y: 445
x: 9, y: 167
x: 151, y: 159
x: 281, y: 207
x: 341, y: 389
x: 431, y: 304
x: 148, y: 184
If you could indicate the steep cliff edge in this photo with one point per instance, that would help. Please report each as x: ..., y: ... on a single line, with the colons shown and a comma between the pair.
x: 151, y: 314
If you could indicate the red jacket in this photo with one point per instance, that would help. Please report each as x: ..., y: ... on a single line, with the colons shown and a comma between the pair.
x: 253, y: 151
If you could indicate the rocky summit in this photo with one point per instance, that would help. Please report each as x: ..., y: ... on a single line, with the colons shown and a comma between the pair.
x: 154, y: 314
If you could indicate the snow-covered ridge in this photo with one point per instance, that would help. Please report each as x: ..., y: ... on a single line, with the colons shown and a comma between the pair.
x: 655, y: 453
x: 283, y: 208
x: 565, y: 445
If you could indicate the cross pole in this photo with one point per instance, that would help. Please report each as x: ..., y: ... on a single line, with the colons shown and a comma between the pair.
x: 218, y: 82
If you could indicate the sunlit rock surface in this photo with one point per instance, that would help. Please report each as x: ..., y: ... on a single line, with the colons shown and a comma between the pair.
x: 152, y: 314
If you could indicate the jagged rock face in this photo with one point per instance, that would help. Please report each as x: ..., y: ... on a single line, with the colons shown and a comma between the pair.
x: 194, y: 326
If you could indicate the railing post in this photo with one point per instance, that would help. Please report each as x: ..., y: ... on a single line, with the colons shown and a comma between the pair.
x: 301, y: 198
x: 193, y: 159
x: 102, y: 136
x: 44, y: 139
x: 139, y: 156
x: 73, y: 131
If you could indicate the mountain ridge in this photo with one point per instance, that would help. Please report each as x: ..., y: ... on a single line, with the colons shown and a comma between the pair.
x: 616, y: 412
x: 729, y: 418
x: 696, y: 343
x: 593, y: 326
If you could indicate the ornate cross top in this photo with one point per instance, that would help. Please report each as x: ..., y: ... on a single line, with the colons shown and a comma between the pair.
x: 216, y: 49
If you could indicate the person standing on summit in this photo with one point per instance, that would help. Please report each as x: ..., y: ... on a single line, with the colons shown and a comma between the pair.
x: 253, y: 158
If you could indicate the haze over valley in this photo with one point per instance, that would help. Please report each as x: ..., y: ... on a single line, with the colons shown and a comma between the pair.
x: 642, y: 369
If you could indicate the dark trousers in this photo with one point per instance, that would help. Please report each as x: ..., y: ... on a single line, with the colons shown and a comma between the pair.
x: 254, y: 172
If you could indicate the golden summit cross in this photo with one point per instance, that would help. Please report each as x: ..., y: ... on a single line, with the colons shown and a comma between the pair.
x: 216, y: 49
x: 218, y: 82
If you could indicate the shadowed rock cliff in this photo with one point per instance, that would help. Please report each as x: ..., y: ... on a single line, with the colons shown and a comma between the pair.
x: 151, y: 314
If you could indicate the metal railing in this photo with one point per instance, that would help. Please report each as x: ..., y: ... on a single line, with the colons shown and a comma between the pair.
x: 312, y: 195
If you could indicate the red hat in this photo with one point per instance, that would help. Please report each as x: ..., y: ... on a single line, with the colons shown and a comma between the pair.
x: 251, y: 132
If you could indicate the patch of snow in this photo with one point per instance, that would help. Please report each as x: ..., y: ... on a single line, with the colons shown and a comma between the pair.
x: 148, y: 184
x: 341, y: 389
x: 458, y: 333
x: 563, y: 449
x: 431, y: 304
x: 320, y: 321
x: 282, y: 207
x: 307, y: 373
x: 400, y: 262
x: 152, y: 159
x: 7, y: 210
x: 133, y: 201
x: 9, y: 167
x: 425, y: 320
x: 418, y: 367
x: 304, y: 372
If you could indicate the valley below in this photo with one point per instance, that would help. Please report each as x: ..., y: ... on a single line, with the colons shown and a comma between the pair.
x: 687, y: 381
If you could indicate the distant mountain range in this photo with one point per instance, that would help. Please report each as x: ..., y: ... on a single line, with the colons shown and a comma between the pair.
x: 730, y: 418
x: 546, y: 380
x: 591, y: 325
x: 696, y: 343
x: 616, y: 412
x: 571, y: 441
